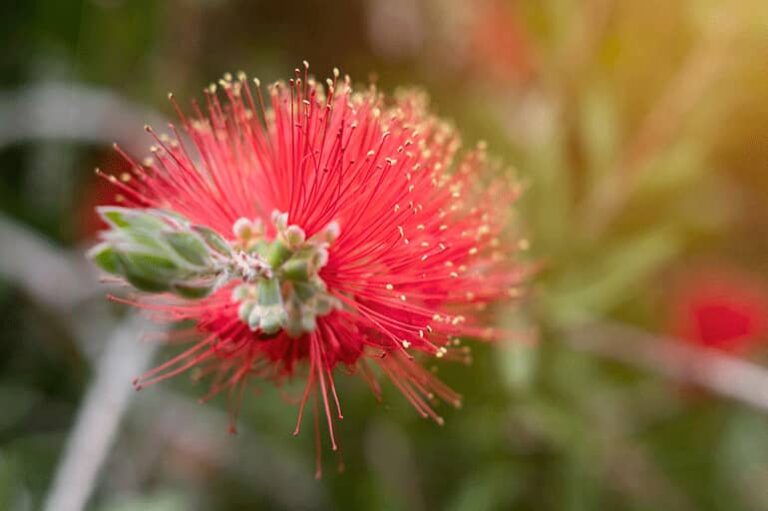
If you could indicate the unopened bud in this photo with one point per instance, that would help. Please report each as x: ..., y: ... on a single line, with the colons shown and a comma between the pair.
x: 280, y: 220
x: 242, y: 228
x: 295, y: 236
x: 296, y: 270
x: 188, y: 247
x: 254, y: 317
x: 330, y: 232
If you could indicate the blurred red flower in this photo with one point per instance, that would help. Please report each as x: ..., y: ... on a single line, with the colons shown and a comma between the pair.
x: 719, y: 308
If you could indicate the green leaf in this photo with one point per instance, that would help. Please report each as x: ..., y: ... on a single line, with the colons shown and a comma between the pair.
x: 144, y: 283
x: 304, y: 291
x: 188, y: 246
x: 278, y: 253
x: 150, y: 263
x: 213, y: 240
x: 599, y: 131
x: 148, y: 272
x: 269, y: 292
x: 105, y: 257
x: 171, y: 217
x: 192, y: 291
x: 123, y: 218
x: 296, y: 270
x: 149, y: 240
x: 271, y: 311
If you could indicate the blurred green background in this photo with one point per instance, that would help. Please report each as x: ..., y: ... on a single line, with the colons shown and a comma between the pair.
x: 640, y: 132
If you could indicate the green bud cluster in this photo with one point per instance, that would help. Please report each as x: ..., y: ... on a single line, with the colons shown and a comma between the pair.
x: 293, y: 295
x: 158, y: 251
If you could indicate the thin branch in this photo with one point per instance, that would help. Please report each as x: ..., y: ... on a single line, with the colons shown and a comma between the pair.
x: 49, y: 274
x: 722, y: 374
x: 100, y: 414
x: 74, y: 112
x: 59, y: 280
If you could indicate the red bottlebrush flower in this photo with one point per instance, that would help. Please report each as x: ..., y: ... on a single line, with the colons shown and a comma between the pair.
x: 314, y: 227
x: 719, y: 309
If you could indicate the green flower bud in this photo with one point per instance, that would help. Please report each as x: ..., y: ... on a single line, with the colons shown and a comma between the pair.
x: 254, y: 316
x: 320, y: 258
x: 259, y: 248
x: 294, y: 236
x: 271, y: 309
x: 272, y: 320
x: 296, y: 270
x: 147, y: 272
x: 192, y: 291
x: 328, y: 234
x: 188, y: 246
x: 277, y: 254
x: 280, y: 220
x: 269, y: 292
x: 325, y: 304
x: 105, y: 257
x: 122, y: 218
x: 308, y: 321
x: 242, y: 228
x: 214, y: 240
x: 304, y: 291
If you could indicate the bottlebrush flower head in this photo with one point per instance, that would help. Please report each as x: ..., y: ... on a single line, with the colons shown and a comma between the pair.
x: 310, y: 228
